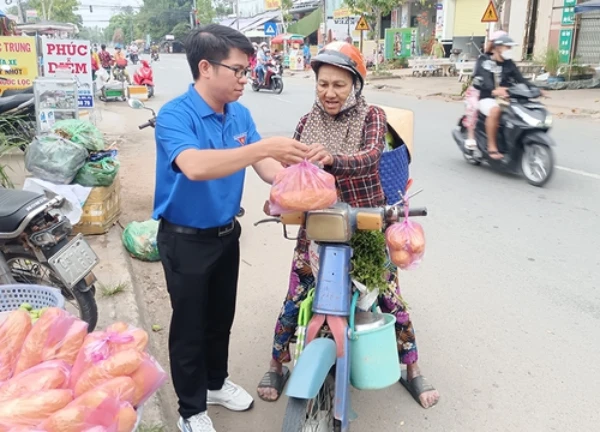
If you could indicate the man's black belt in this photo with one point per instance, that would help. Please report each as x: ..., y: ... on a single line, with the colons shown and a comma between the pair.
x: 221, y: 231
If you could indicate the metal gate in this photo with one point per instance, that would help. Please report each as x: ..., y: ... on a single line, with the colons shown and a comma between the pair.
x: 588, y: 39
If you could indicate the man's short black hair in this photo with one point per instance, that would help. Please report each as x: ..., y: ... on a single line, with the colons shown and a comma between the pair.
x: 103, y: 46
x: 213, y: 42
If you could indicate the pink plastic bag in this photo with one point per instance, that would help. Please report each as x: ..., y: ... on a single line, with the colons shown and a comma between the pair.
x: 99, y: 345
x: 471, y: 107
x: 406, y: 243
x: 302, y: 187
x: 50, y: 375
x: 77, y: 417
x: 13, y: 333
x: 148, y: 378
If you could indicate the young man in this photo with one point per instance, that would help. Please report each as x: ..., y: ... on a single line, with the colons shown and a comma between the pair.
x: 205, y: 139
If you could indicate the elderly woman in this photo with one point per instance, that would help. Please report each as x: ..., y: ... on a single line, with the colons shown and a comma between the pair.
x: 347, y: 137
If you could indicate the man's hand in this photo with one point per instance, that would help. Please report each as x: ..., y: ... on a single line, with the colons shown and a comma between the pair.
x: 286, y: 150
x: 500, y: 92
x: 317, y: 153
x: 267, y: 208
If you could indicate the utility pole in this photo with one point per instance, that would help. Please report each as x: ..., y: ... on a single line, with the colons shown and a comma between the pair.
x: 237, y: 14
x: 324, y: 22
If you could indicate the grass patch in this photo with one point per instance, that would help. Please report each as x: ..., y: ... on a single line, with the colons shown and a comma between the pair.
x: 151, y: 428
x: 113, y: 290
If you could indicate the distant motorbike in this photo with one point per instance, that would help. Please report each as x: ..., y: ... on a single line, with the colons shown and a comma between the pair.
x: 120, y: 71
x: 134, y: 58
x: 144, y: 77
x: 138, y: 104
x: 35, y: 249
x: 154, y: 56
x: 522, y: 138
x: 273, y: 78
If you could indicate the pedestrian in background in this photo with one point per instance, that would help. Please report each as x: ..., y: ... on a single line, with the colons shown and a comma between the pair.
x: 204, y: 141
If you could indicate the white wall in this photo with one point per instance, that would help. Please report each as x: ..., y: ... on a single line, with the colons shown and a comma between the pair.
x: 517, y: 23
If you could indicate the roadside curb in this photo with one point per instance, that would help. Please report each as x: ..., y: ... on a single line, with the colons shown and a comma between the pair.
x: 114, y: 269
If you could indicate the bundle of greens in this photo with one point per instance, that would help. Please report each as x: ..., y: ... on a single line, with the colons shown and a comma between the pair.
x: 369, y: 259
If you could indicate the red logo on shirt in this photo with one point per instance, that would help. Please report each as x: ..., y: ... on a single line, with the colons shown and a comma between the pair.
x: 241, y: 139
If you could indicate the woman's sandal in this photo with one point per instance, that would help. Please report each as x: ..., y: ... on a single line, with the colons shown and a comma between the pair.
x: 272, y: 380
x: 496, y: 153
x: 416, y: 387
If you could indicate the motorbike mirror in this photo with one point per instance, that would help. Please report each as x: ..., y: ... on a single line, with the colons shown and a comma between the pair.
x: 135, y: 103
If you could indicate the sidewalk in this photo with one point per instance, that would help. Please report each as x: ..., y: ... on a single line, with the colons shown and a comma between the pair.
x: 563, y: 103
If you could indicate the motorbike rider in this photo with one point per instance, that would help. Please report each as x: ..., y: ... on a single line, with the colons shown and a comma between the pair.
x: 347, y: 137
x: 106, y: 60
x: 494, y: 74
x: 120, y: 64
x: 261, y: 61
x: 133, y: 50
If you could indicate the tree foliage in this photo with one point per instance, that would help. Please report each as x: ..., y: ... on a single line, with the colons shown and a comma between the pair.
x: 64, y: 11
x: 126, y: 22
x: 93, y: 34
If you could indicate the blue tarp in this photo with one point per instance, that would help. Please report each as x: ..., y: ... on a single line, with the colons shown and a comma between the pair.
x: 589, y: 6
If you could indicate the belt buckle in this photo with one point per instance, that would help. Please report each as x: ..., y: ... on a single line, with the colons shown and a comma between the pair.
x: 226, y: 230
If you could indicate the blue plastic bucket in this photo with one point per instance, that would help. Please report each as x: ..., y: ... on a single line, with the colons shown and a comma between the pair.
x: 374, y: 355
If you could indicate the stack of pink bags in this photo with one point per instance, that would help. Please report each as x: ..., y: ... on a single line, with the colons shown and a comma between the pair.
x: 55, y: 377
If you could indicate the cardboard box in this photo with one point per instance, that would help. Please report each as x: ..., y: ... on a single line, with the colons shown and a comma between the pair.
x: 138, y: 92
x: 101, y: 210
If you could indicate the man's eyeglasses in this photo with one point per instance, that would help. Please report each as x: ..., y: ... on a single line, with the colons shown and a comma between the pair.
x: 239, y: 72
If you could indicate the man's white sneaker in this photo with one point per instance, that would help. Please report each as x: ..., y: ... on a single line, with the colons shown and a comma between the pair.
x: 231, y: 396
x: 470, y: 144
x: 197, y: 423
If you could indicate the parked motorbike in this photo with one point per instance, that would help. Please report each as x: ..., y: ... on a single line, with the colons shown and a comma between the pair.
x: 342, y: 346
x: 273, y: 78
x: 138, y: 104
x: 522, y: 138
x: 143, y: 76
x: 35, y: 249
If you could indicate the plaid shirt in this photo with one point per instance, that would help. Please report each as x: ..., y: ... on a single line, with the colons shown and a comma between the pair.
x: 357, y: 175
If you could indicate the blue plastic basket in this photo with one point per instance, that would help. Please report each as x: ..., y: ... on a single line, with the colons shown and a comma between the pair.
x: 393, y: 171
x: 38, y: 296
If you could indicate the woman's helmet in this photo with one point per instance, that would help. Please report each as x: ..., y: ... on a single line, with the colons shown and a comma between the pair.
x: 342, y: 55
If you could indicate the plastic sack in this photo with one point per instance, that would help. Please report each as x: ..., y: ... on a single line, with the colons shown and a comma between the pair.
x: 34, y: 408
x: 122, y: 388
x: 147, y: 378
x: 98, y: 346
x: 139, y: 238
x: 78, y: 417
x: 50, y: 375
x: 57, y: 335
x: 13, y: 333
x: 406, y: 243
x: 302, y: 187
x: 123, y: 363
x: 54, y: 159
x: 23, y: 429
x: 80, y: 132
x: 100, y: 173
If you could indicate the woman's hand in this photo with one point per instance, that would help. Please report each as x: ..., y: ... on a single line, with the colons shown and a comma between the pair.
x: 267, y: 208
x: 317, y: 153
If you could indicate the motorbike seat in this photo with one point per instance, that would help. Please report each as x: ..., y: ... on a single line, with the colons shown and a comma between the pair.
x: 15, y: 205
x: 11, y: 102
x: 12, y: 92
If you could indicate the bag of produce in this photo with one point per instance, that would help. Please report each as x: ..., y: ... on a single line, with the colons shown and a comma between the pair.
x: 23, y: 429
x: 406, y: 243
x: 56, y: 335
x: 13, y: 333
x: 80, y: 132
x: 50, y: 375
x: 54, y: 159
x: 302, y: 187
x: 100, y: 173
x: 34, y: 408
x: 100, y: 345
x: 123, y: 363
x: 77, y: 417
x: 148, y: 378
x: 122, y: 388
x: 139, y: 238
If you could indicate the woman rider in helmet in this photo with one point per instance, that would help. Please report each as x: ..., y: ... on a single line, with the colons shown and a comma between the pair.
x: 347, y: 137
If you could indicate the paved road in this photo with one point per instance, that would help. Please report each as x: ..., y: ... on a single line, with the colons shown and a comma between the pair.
x: 506, y: 304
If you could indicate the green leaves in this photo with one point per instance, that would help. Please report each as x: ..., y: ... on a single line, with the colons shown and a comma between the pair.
x: 369, y: 259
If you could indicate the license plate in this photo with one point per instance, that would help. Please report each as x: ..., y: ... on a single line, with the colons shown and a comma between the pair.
x: 73, y: 262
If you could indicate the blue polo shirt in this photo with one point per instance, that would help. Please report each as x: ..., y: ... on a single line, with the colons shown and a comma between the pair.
x: 187, y: 122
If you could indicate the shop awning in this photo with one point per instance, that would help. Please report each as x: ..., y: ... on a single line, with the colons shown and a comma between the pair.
x: 279, y: 39
x: 589, y: 6
x: 309, y: 24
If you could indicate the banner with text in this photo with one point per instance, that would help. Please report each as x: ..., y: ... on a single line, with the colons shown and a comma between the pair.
x: 74, y: 56
x: 272, y: 4
x: 18, y: 62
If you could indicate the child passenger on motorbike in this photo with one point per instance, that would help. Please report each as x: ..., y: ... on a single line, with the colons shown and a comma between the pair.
x: 494, y: 74
x: 347, y: 137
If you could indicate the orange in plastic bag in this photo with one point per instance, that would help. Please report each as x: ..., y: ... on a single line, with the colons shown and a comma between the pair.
x: 302, y: 187
x: 49, y: 375
x: 148, y: 378
x: 121, y: 388
x: 406, y: 243
x: 32, y: 409
x: 56, y: 335
x: 123, y: 363
x: 126, y: 418
x: 13, y: 333
x: 99, y: 345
